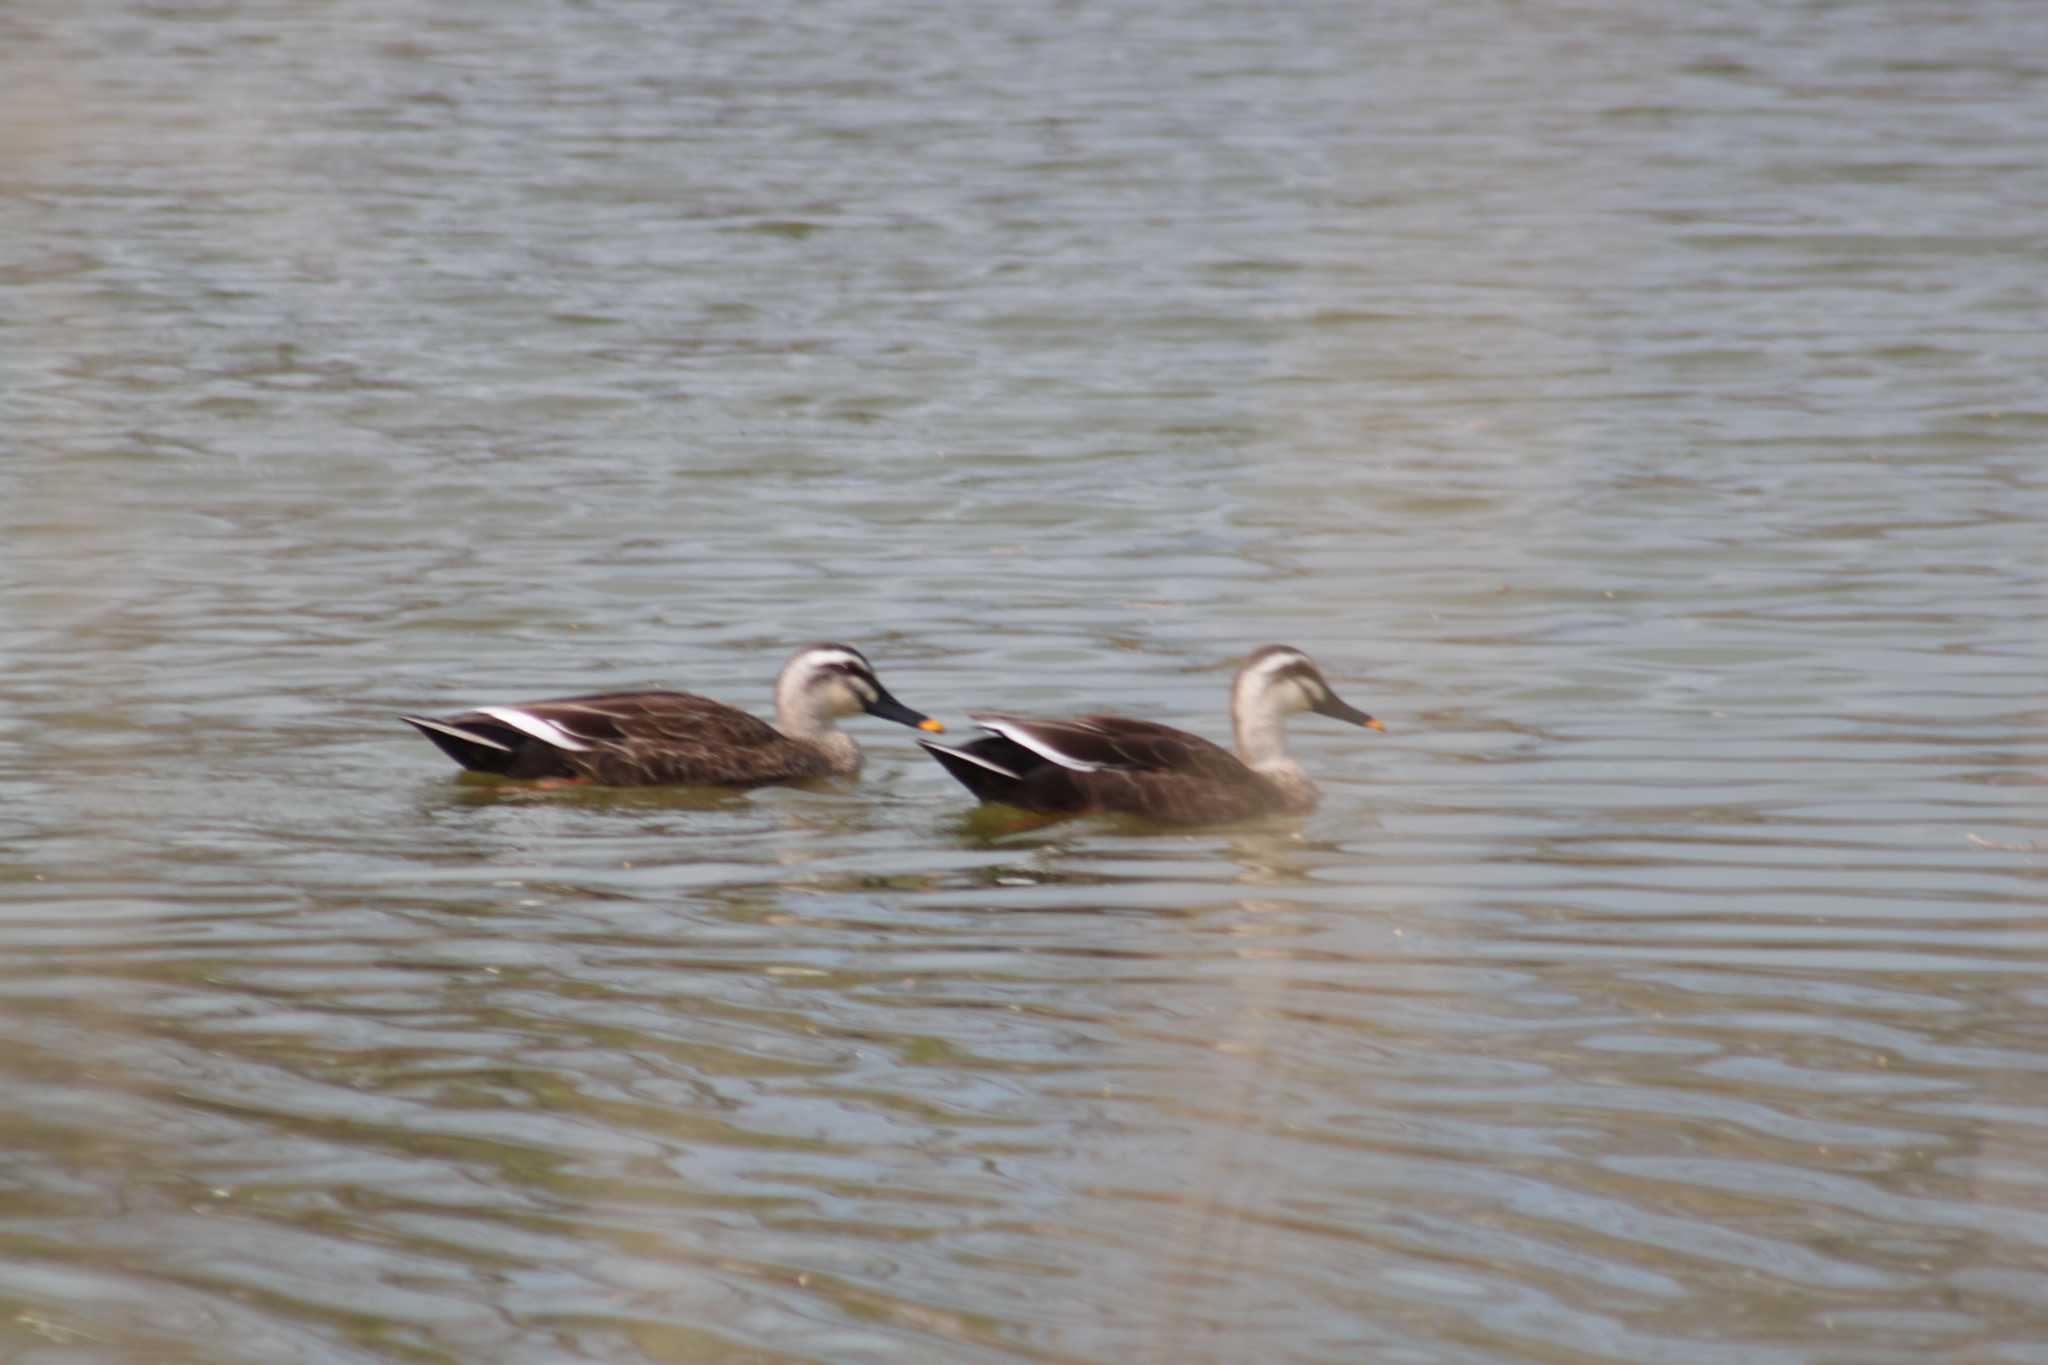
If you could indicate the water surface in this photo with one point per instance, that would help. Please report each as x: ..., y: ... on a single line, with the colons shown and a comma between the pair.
x: 1640, y: 410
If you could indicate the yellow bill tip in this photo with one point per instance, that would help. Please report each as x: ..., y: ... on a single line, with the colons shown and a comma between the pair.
x: 929, y: 724
x: 1372, y: 724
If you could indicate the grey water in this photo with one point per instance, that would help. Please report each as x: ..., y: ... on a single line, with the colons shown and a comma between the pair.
x: 1643, y: 409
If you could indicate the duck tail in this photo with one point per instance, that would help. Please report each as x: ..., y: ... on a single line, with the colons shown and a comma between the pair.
x: 977, y: 769
x: 476, y: 752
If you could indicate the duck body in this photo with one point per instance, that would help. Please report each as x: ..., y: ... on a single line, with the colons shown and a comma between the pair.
x: 632, y: 739
x: 661, y: 738
x: 1140, y: 767
x: 1137, y: 767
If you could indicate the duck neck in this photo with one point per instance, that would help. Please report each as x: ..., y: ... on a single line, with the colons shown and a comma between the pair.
x: 797, y: 716
x: 808, y: 724
x: 1262, y: 740
x: 842, y: 755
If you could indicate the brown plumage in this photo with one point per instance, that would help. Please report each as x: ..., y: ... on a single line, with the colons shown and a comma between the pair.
x: 658, y: 738
x: 1139, y: 767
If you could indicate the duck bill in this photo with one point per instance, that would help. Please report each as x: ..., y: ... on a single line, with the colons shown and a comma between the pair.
x: 1340, y: 710
x: 886, y: 707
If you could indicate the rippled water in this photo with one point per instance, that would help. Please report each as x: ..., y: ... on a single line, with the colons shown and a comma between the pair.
x: 1640, y: 408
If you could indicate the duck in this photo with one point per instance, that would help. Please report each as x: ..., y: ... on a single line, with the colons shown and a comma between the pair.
x: 660, y: 738
x: 1107, y: 763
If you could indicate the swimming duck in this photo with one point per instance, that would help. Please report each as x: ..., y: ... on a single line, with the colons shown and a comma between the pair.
x: 1112, y: 763
x: 644, y: 739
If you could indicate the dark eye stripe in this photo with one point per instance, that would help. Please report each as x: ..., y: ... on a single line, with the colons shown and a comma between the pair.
x: 853, y: 673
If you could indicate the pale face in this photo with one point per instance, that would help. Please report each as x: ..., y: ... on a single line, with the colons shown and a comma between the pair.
x: 845, y: 693
x: 1284, y: 682
x: 830, y: 681
x: 836, y: 682
x: 1306, y: 691
x: 1280, y: 681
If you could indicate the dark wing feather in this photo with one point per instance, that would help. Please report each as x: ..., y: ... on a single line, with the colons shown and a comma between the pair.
x: 643, y: 717
x: 1080, y: 739
x: 1136, y: 766
x: 643, y: 739
x: 1149, y: 747
x: 1119, y: 742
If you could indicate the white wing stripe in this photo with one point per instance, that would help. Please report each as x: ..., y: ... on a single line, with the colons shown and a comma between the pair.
x: 546, y: 731
x: 1019, y: 734
x: 976, y: 759
x: 467, y: 736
